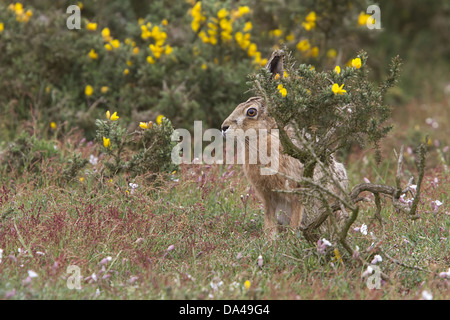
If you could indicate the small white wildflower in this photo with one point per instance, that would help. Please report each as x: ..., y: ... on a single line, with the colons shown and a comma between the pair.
x: 364, y: 229
x: 413, y: 187
x: 215, y: 286
x: 93, y: 160
x: 105, y: 260
x: 426, y: 295
x: 32, y: 274
x: 260, y: 261
x: 326, y: 242
x: 133, y: 185
x: 377, y: 259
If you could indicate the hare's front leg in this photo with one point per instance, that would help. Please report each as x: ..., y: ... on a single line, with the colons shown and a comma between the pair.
x: 270, y: 220
x: 296, y: 213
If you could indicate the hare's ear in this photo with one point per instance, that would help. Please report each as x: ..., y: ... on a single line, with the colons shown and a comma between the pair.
x: 275, y: 63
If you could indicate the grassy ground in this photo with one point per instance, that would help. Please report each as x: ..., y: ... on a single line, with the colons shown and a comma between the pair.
x: 216, y: 239
x: 194, y: 237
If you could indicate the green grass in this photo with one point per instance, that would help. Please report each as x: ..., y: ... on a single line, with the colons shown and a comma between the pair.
x: 203, y: 217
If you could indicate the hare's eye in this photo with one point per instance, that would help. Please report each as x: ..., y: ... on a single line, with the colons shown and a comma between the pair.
x: 251, y: 112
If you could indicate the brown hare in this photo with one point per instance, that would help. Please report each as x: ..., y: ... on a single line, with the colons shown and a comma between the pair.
x: 280, y: 208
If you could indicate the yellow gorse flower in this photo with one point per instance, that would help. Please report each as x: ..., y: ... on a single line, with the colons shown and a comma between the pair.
x: 311, y: 17
x: 106, y: 142
x: 252, y: 50
x: 243, y: 40
x: 115, y: 43
x: 197, y: 15
x: 362, y: 18
x: 337, y: 69
x: 303, y: 45
x: 2, y: 27
x: 146, y: 125
x: 282, y: 90
x: 159, y: 119
x: 93, y: 55
x: 247, y: 285
x: 21, y: 14
x: 91, y: 26
x: 89, y: 90
x: 290, y: 37
x: 53, y: 125
x: 106, y: 34
x: 168, y: 50
x: 248, y: 26
x: 276, y: 32
x: 156, y: 50
x: 243, y: 10
x: 223, y: 13
x: 356, y: 63
x: 338, y: 89
x: 104, y: 89
x: 112, y: 117
x: 310, y: 22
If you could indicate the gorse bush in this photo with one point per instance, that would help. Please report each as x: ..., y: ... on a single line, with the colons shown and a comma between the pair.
x: 27, y: 153
x: 154, y: 143
x: 329, y: 109
x: 189, y: 63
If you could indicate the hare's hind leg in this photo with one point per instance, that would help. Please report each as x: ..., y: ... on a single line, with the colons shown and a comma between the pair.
x: 296, y: 213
